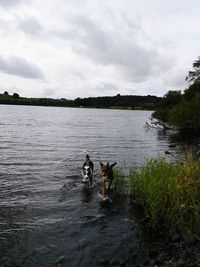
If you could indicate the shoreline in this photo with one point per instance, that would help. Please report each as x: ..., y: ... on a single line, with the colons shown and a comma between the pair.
x: 85, y: 107
x: 167, y: 247
x: 166, y: 196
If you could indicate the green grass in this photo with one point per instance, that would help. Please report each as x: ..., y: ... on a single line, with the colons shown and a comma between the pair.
x: 169, y: 192
x: 121, y: 182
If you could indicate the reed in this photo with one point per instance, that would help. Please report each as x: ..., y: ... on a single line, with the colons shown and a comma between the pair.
x: 121, y: 182
x: 169, y: 192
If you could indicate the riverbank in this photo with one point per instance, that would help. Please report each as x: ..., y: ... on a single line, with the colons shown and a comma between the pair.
x: 133, y: 102
x: 167, y: 196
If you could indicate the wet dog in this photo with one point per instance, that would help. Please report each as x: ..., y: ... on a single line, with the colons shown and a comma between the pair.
x: 88, y: 168
x: 107, y: 177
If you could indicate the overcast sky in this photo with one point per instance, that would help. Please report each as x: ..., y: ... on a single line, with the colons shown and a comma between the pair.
x: 81, y: 48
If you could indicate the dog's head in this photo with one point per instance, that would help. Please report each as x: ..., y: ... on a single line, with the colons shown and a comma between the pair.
x: 106, y: 169
x: 87, y: 172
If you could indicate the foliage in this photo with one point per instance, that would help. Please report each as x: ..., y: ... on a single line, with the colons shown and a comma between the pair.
x: 155, y: 187
x: 171, y: 98
x: 15, y: 95
x: 170, y: 192
x: 194, y: 75
x: 186, y: 115
x: 15, y: 99
x: 118, y: 101
x: 143, y: 102
x: 120, y: 180
x: 190, y: 92
x: 183, y: 111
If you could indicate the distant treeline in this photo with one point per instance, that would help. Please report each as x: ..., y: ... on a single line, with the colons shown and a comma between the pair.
x: 121, y: 101
x: 15, y: 99
x: 118, y: 101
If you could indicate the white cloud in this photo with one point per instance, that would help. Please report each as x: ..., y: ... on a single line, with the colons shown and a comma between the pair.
x: 90, y: 48
x: 30, y: 25
x: 112, y: 48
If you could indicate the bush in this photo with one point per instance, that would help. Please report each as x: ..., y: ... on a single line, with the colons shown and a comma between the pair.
x: 170, y: 192
x: 187, y: 114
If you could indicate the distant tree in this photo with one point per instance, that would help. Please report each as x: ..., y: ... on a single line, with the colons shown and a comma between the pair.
x: 15, y: 95
x: 6, y: 93
x: 78, y: 101
x: 194, y: 75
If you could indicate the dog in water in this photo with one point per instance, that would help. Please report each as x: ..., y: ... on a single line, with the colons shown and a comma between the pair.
x: 88, y: 168
x: 107, y: 177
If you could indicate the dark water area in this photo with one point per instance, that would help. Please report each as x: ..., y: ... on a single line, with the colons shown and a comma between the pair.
x: 47, y: 216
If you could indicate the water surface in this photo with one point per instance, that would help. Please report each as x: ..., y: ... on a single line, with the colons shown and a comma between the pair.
x: 47, y: 217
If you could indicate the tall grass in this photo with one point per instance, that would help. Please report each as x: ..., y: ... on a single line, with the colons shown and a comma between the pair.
x: 170, y: 192
x: 120, y: 182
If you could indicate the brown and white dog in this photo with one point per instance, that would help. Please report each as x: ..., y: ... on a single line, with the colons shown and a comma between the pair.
x: 107, y: 177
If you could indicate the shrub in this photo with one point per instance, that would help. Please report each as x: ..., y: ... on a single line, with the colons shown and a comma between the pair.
x: 170, y: 192
x: 187, y: 114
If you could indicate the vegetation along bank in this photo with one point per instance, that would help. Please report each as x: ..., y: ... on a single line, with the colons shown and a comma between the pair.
x: 167, y: 196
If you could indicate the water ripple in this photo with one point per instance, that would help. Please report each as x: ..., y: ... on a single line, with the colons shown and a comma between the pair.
x: 47, y: 216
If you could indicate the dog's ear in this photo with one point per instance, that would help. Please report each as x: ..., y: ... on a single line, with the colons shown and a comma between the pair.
x: 101, y: 164
x: 112, y: 165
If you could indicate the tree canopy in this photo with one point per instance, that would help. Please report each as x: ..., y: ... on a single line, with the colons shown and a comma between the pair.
x: 194, y: 75
x: 183, y: 110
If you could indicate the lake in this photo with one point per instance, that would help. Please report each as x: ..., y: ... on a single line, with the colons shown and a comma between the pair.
x: 47, y: 216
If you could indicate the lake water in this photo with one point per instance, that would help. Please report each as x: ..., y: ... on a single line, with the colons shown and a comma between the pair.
x: 47, y: 217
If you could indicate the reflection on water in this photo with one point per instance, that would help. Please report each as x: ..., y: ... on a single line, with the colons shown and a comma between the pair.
x: 47, y: 216
x: 86, y: 194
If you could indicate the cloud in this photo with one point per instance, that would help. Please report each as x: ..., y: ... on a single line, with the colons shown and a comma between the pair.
x: 30, y: 25
x: 135, y: 60
x: 175, y: 79
x: 20, y: 67
x: 9, y: 3
x: 107, y: 88
x: 99, y: 47
x: 49, y: 92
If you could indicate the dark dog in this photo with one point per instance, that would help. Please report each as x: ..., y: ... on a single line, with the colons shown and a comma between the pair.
x: 88, y: 168
x: 107, y: 177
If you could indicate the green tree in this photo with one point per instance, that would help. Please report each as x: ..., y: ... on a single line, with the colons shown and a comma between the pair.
x: 186, y: 115
x: 194, y: 75
x: 192, y: 90
x: 15, y: 95
x: 171, y: 98
x: 183, y: 111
